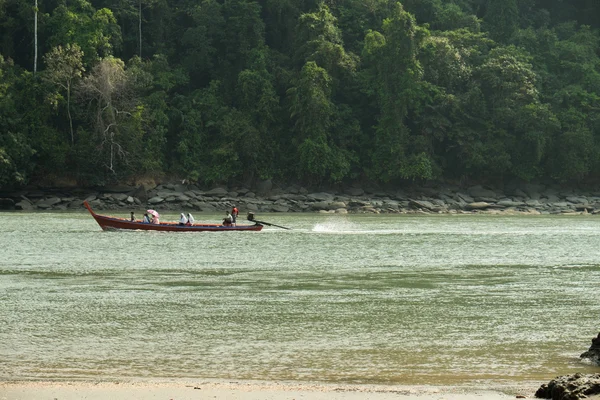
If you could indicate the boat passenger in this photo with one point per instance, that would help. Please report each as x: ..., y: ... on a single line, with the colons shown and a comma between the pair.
x: 146, y: 219
x: 234, y: 214
x: 190, y: 219
x: 183, y: 219
x: 155, y: 220
x: 132, y: 218
x: 228, y: 220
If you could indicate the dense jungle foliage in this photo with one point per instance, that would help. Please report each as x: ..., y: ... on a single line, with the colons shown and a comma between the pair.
x: 312, y: 91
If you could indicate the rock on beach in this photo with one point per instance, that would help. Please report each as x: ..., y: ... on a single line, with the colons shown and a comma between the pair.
x: 570, y: 387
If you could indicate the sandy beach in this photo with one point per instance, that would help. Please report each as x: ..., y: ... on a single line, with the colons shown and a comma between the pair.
x: 244, y: 391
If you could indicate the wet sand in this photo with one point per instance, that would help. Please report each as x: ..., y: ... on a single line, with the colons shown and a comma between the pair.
x: 245, y: 391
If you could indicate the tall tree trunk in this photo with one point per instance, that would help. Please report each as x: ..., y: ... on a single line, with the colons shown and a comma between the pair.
x: 69, y: 112
x: 35, y: 40
x: 140, y: 26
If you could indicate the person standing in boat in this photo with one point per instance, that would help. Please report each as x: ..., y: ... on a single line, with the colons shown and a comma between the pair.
x: 234, y: 214
x: 132, y: 218
x: 190, y: 219
x: 183, y: 220
x: 228, y: 220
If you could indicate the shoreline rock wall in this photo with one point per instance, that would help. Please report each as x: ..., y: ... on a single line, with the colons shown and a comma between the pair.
x: 527, y: 199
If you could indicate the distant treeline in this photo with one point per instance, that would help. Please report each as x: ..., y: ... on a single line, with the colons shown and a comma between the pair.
x: 330, y: 91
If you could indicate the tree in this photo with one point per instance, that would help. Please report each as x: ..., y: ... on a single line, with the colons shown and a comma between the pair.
x: 311, y: 111
x: 15, y: 149
x: 502, y: 19
x: 394, y: 79
x: 108, y: 93
x: 95, y: 31
x: 63, y: 67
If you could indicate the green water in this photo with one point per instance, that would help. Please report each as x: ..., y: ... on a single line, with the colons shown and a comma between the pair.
x: 345, y: 299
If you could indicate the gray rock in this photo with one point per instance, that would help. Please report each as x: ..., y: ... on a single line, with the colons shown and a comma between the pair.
x: 337, y: 204
x: 180, y: 188
x: 464, y: 197
x: 341, y: 211
x: 295, y: 197
x: 320, y: 196
x: 422, y: 204
x: 24, y: 205
x: 120, y: 196
x: 48, y: 203
x: 481, y: 205
x: 551, y: 198
x: 75, y: 204
x: 156, y: 200
x: 129, y: 200
x: 321, y: 205
x: 510, y: 203
x: 358, y: 203
x: 217, y: 192
x: 165, y: 193
x: 280, y: 208
x: 577, y: 200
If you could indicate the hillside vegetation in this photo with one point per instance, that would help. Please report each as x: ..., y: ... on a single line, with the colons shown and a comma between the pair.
x: 318, y: 92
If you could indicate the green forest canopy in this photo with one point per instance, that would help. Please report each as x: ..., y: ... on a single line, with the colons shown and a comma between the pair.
x: 219, y: 91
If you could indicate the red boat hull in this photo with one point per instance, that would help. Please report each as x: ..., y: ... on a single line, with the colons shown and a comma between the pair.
x: 113, y: 223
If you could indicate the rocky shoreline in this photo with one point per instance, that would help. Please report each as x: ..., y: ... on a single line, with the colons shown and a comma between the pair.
x: 570, y: 387
x: 531, y: 199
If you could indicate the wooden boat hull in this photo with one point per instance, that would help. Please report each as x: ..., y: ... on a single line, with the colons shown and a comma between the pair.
x: 113, y: 223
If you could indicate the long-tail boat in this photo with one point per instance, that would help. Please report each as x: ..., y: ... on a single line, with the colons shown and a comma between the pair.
x: 114, y: 223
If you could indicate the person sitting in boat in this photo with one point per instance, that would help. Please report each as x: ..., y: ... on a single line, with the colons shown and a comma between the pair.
x: 155, y: 220
x: 146, y: 219
x: 183, y: 220
x: 132, y: 218
x: 190, y: 219
x: 228, y: 220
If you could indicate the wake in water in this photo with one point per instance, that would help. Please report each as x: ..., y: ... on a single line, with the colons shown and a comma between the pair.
x: 337, y: 226
x: 346, y: 227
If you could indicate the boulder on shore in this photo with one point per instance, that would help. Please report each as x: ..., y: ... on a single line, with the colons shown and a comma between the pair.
x: 570, y: 387
x: 593, y: 354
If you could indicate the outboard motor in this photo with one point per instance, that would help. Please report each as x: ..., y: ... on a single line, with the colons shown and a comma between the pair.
x: 251, y: 216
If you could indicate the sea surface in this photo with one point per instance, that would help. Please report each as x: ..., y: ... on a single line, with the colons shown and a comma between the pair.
x: 365, y: 299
